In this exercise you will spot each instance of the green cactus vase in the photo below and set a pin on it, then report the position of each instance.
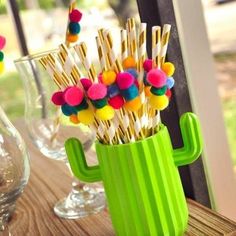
(141, 179)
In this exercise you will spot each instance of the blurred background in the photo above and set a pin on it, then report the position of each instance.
(44, 23)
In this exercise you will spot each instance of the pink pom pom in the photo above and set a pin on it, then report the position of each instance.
(86, 83)
(147, 65)
(116, 102)
(73, 96)
(124, 80)
(157, 78)
(97, 91)
(75, 15)
(100, 78)
(58, 98)
(2, 42)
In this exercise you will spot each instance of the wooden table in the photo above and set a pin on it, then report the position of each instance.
(50, 181)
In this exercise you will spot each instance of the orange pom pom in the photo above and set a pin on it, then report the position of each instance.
(129, 62)
(74, 119)
(168, 68)
(108, 77)
(72, 38)
(147, 91)
(133, 105)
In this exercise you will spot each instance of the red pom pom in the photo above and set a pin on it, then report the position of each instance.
(86, 83)
(100, 78)
(75, 15)
(124, 80)
(147, 65)
(97, 91)
(58, 98)
(116, 102)
(73, 96)
(156, 78)
(168, 93)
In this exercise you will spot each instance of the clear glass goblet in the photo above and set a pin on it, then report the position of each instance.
(49, 130)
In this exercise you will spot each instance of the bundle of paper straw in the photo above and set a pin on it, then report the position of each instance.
(121, 103)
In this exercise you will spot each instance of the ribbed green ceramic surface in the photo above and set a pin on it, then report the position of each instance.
(143, 187)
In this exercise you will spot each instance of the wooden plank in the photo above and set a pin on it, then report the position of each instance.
(50, 180)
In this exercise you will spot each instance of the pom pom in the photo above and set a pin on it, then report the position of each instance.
(68, 110)
(168, 93)
(82, 106)
(86, 83)
(74, 119)
(74, 27)
(156, 78)
(73, 96)
(58, 98)
(129, 62)
(124, 80)
(133, 105)
(86, 116)
(97, 91)
(1, 56)
(2, 67)
(147, 91)
(159, 91)
(147, 65)
(72, 38)
(2, 42)
(159, 102)
(133, 72)
(75, 15)
(100, 78)
(108, 77)
(170, 82)
(99, 103)
(113, 90)
(168, 68)
(130, 93)
(136, 84)
(116, 102)
(105, 113)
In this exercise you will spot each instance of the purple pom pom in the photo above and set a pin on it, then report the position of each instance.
(170, 82)
(86, 83)
(124, 80)
(75, 15)
(97, 91)
(147, 65)
(156, 78)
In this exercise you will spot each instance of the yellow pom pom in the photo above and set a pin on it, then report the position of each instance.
(159, 102)
(147, 91)
(86, 116)
(72, 38)
(133, 105)
(108, 77)
(129, 62)
(2, 67)
(74, 119)
(105, 113)
(168, 68)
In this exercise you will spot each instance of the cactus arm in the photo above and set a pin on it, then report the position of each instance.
(78, 163)
(192, 140)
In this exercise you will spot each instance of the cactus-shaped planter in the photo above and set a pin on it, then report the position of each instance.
(141, 180)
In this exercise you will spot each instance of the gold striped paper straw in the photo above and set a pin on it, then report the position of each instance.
(101, 54)
(132, 39)
(82, 52)
(124, 44)
(156, 46)
(142, 52)
(164, 42)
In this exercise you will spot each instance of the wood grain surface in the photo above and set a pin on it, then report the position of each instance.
(50, 181)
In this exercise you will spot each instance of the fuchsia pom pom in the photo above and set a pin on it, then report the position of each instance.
(97, 91)
(2, 42)
(58, 98)
(116, 102)
(147, 65)
(156, 78)
(75, 15)
(124, 80)
(86, 83)
(73, 96)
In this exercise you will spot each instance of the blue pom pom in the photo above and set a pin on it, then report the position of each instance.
(112, 90)
(68, 110)
(130, 93)
(170, 82)
(74, 27)
(133, 72)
